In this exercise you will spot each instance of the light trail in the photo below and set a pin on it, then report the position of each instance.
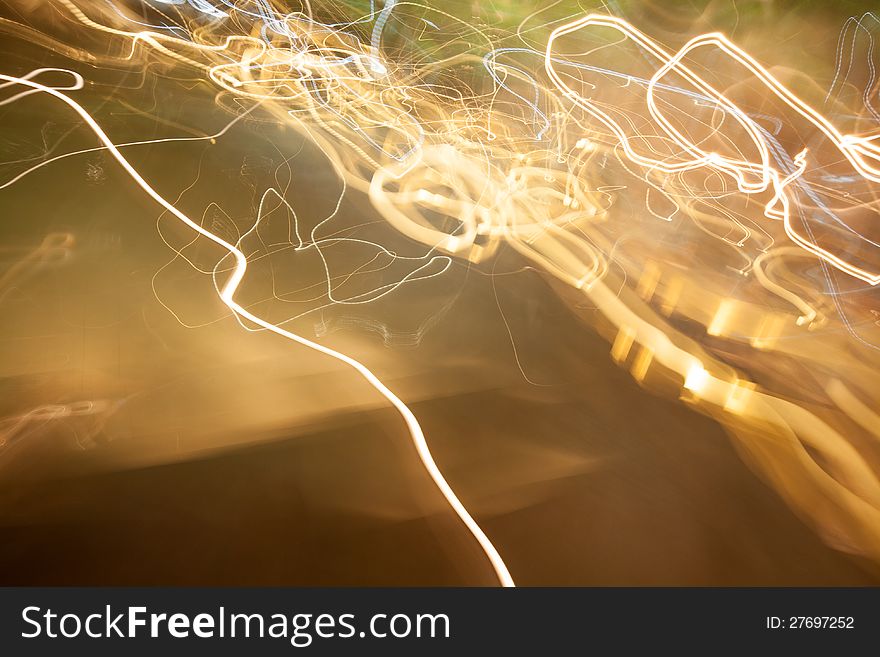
(859, 151)
(653, 215)
(227, 295)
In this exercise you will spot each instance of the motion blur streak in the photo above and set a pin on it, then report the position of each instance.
(713, 225)
(227, 294)
(855, 149)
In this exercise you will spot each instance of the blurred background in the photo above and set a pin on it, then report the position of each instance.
(146, 438)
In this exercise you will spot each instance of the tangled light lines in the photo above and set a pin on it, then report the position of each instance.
(723, 228)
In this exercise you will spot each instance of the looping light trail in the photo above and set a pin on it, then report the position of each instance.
(724, 231)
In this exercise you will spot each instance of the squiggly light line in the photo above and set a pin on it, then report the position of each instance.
(859, 151)
(227, 295)
(465, 170)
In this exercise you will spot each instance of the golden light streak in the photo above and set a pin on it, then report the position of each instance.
(858, 150)
(700, 262)
(227, 295)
